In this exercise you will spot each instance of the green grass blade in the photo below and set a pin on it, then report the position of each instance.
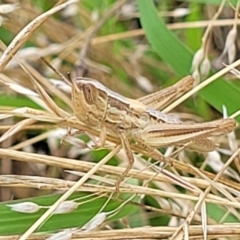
(164, 42)
(12, 222)
(179, 57)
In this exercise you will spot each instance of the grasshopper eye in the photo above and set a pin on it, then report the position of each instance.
(90, 94)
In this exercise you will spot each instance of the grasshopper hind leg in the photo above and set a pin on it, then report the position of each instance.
(149, 151)
(154, 153)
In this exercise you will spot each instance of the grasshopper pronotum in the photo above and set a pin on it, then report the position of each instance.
(139, 121)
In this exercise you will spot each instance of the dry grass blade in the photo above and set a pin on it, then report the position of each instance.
(84, 166)
(22, 37)
(108, 117)
(67, 194)
(32, 114)
(19, 89)
(47, 86)
(202, 197)
(50, 103)
(17, 127)
(214, 231)
(47, 99)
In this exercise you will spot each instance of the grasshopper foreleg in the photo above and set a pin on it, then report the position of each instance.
(100, 142)
(126, 146)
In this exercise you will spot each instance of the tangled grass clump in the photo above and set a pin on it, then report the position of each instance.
(47, 188)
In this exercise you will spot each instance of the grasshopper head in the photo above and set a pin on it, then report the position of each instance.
(89, 101)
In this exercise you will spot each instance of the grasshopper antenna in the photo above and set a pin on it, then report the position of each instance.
(67, 80)
(69, 77)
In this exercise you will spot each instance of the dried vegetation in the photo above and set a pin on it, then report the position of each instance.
(193, 199)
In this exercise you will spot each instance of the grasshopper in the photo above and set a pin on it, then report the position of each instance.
(140, 121)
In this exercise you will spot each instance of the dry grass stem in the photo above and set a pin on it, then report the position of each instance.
(58, 133)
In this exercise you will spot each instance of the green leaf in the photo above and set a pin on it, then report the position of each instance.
(221, 93)
(179, 57)
(164, 42)
(218, 213)
(17, 101)
(216, 2)
(17, 223)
